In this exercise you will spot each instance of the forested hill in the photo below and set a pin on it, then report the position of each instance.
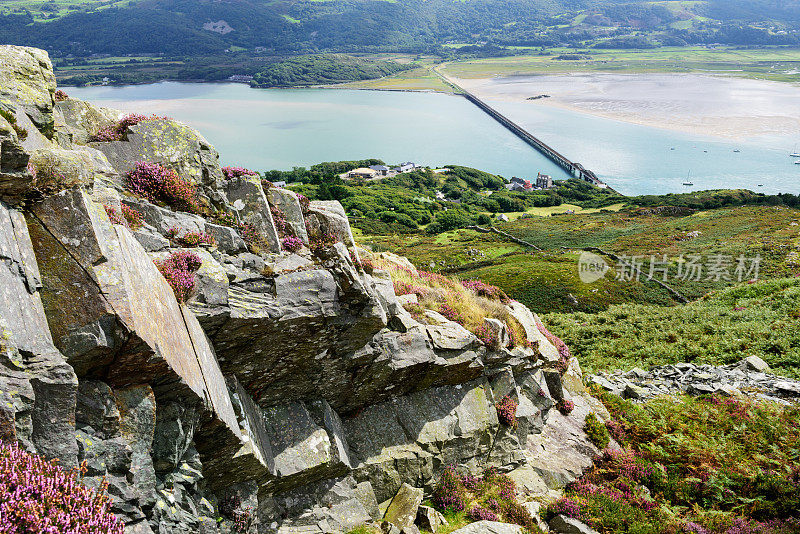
(204, 27)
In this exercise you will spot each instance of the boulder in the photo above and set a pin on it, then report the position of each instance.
(754, 363)
(15, 180)
(402, 511)
(81, 120)
(247, 198)
(288, 203)
(430, 519)
(489, 527)
(328, 216)
(27, 80)
(172, 144)
(38, 389)
(568, 525)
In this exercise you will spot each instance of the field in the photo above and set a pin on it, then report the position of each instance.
(777, 64)
(548, 281)
(53, 9)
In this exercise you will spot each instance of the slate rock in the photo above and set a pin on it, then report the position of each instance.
(430, 519)
(567, 525)
(489, 527)
(402, 511)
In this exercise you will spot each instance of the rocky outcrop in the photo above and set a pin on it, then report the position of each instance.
(291, 392)
(748, 376)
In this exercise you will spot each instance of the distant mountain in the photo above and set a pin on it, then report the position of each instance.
(205, 27)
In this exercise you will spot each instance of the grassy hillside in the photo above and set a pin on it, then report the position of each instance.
(480, 27)
(761, 319)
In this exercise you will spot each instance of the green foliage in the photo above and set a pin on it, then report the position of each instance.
(324, 69)
(596, 431)
(22, 133)
(693, 465)
(761, 319)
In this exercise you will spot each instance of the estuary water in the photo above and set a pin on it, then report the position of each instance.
(281, 128)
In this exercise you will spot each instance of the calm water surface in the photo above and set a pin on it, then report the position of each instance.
(281, 128)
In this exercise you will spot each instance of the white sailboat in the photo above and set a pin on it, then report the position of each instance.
(795, 153)
(688, 181)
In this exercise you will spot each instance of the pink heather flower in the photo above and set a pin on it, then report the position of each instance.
(189, 239)
(39, 496)
(279, 219)
(478, 513)
(565, 406)
(118, 130)
(488, 336)
(129, 217)
(291, 243)
(178, 270)
(563, 350)
(507, 411)
(565, 506)
(450, 493)
(163, 185)
(237, 172)
(483, 289)
(60, 95)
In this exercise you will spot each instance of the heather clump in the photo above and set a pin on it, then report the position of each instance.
(126, 216)
(237, 172)
(178, 270)
(565, 406)
(507, 411)
(466, 303)
(489, 497)
(189, 239)
(118, 131)
(291, 243)
(563, 351)
(162, 185)
(39, 496)
(707, 465)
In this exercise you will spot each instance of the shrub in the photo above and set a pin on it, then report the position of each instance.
(478, 513)
(279, 219)
(566, 507)
(565, 406)
(39, 496)
(46, 177)
(596, 431)
(60, 95)
(483, 289)
(22, 133)
(163, 185)
(305, 204)
(450, 493)
(119, 130)
(458, 300)
(237, 172)
(488, 336)
(178, 270)
(507, 411)
(129, 217)
(251, 236)
(320, 241)
(189, 239)
(563, 351)
(291, 243)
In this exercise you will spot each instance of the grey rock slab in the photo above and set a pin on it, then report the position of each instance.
(489, 527)
(430, 519)
(567, 525)
(402, 511)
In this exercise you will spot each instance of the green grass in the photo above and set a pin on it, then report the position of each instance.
(706, 465)
(545, 280)
(761, 319)
(767, 63)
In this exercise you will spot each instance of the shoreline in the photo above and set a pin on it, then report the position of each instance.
(581, 97)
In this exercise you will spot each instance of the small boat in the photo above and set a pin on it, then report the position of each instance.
(673, 148)
(797, 162)
(688, 183)
(736, 150)
(795, 153)
(760, 185)
(688, 179)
